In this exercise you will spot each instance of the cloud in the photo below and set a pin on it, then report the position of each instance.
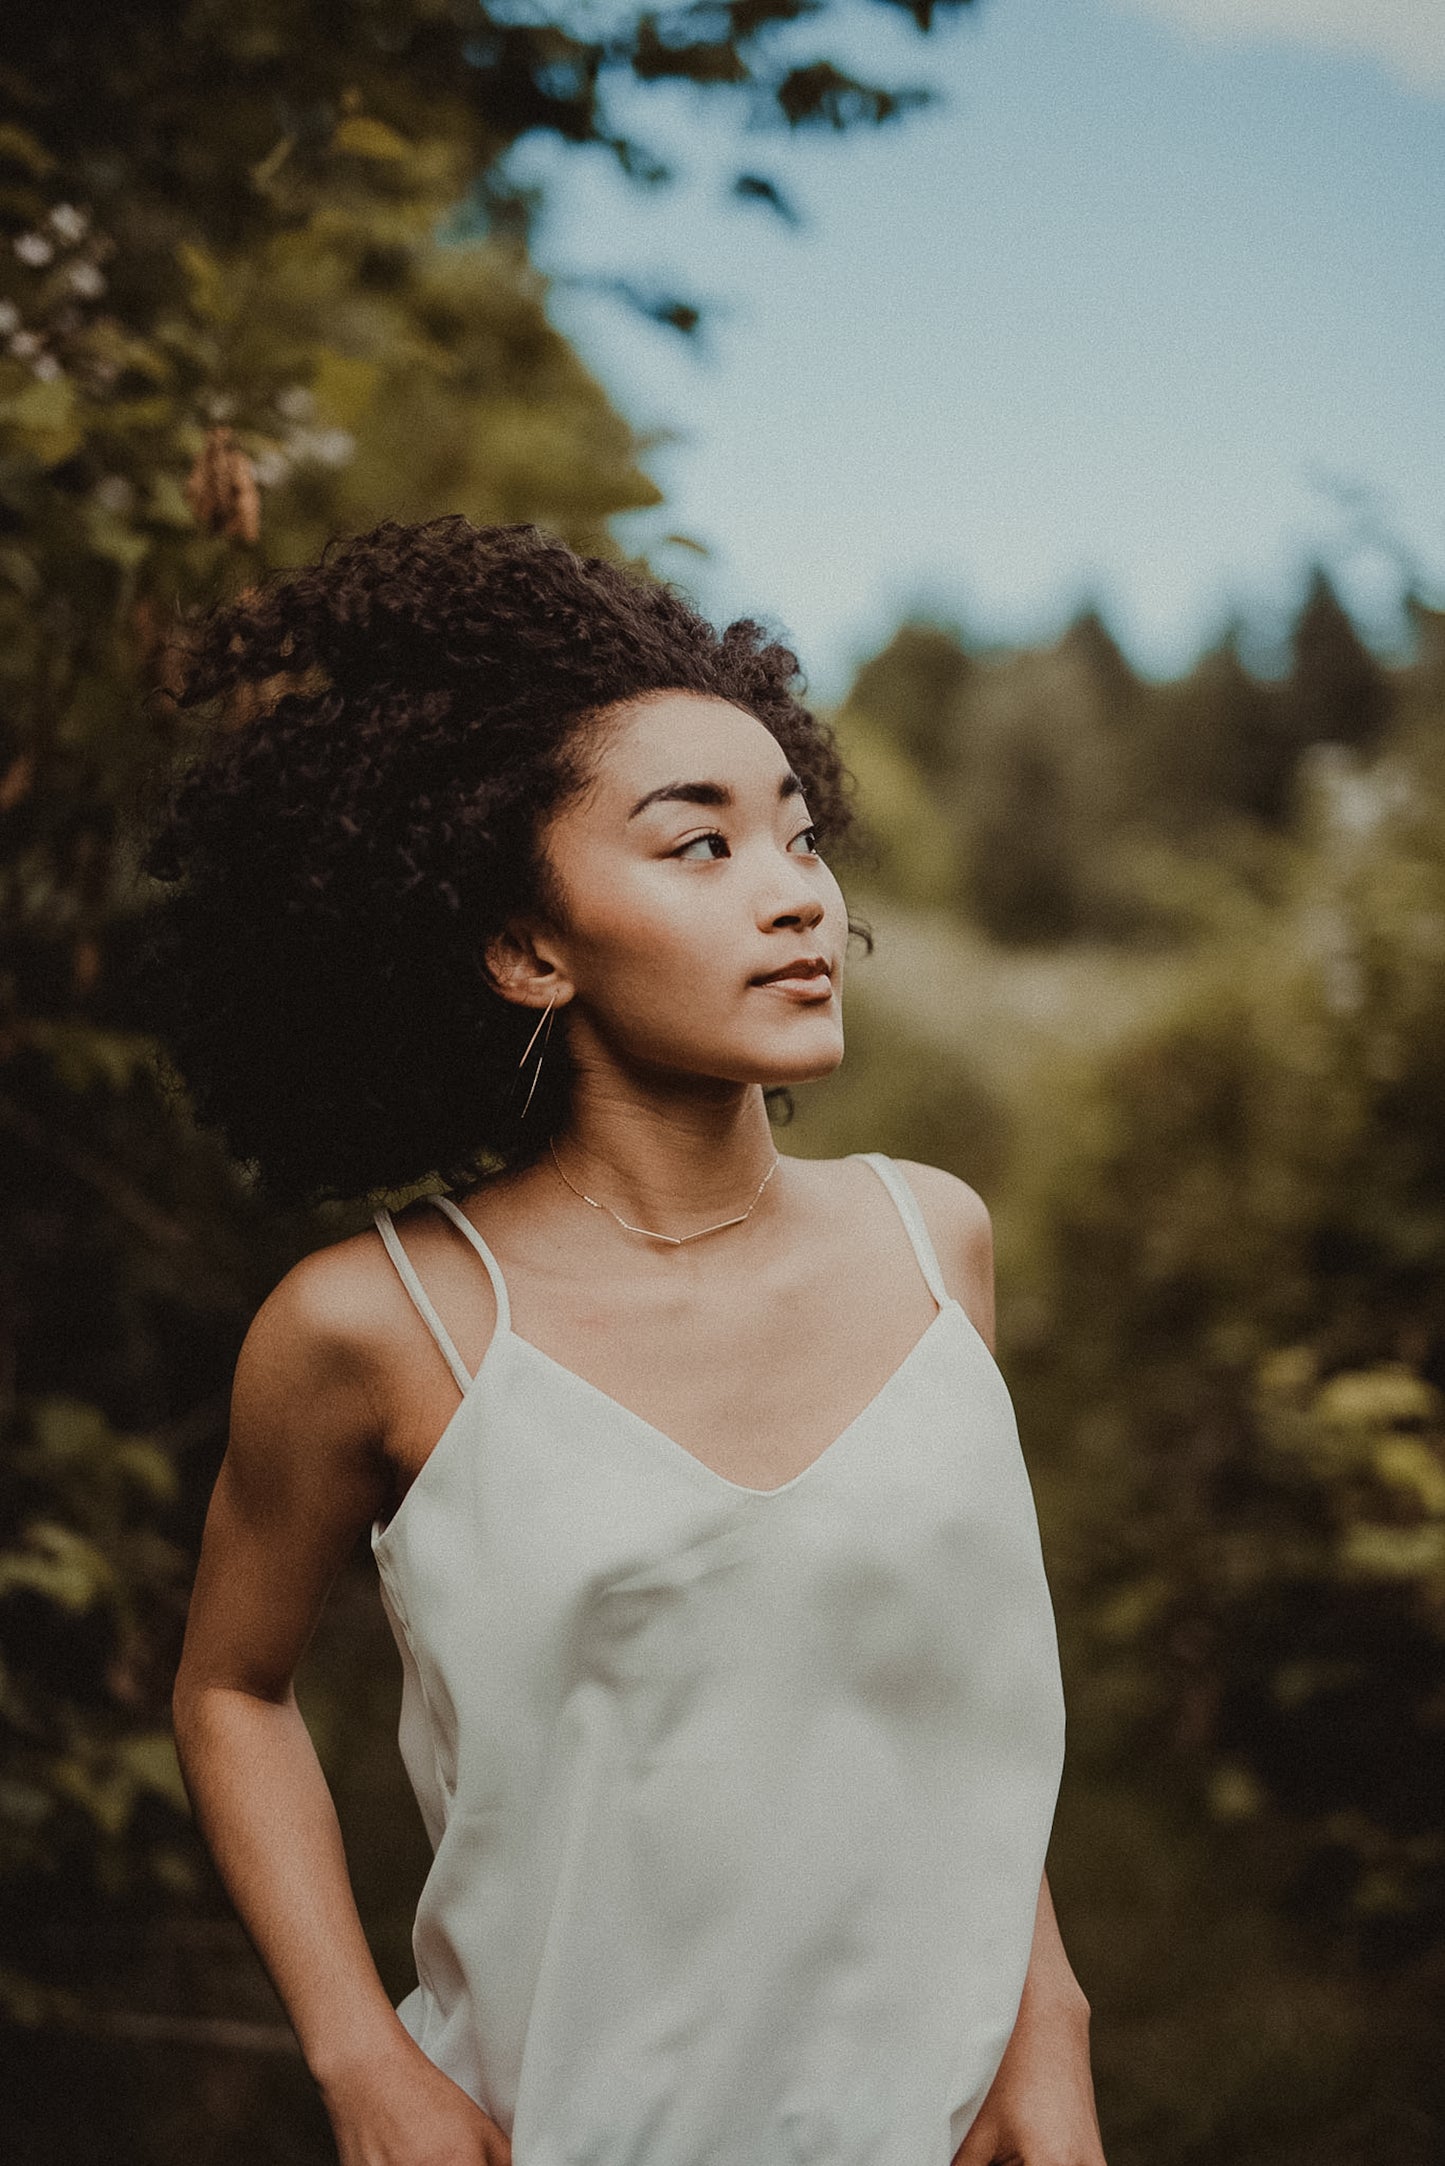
(1406, 36)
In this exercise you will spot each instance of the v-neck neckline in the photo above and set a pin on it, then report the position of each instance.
(640, 1421)
(504, 1336)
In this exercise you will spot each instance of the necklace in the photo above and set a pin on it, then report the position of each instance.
(676, 1239)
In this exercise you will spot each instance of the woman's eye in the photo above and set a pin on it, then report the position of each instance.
(808, 835)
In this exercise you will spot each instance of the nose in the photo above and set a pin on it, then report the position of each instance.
(802, 910)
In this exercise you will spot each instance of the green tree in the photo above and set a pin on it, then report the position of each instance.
(1336, 691)
(1253, 1240)
(915, 690)
(264, 278)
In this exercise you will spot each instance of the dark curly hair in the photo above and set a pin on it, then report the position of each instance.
(391, 727)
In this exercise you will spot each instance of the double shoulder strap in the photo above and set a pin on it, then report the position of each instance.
(422, 1300)
(886, 1169)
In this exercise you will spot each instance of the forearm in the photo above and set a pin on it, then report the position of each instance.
(268, 1818)
(1050, 1979)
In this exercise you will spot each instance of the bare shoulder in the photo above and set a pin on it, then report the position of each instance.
(962, 1230)
(305, 1429)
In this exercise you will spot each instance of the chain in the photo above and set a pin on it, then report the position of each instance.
(675, 1238)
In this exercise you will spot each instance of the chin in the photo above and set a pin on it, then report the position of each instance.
(808, 1065)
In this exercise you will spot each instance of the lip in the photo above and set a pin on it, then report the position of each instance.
(807, 976)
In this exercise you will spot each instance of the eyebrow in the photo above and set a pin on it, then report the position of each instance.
(708, 793)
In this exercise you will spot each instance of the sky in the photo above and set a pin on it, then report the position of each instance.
(1147, 313)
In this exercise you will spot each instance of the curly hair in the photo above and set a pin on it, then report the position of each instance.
(392, 726)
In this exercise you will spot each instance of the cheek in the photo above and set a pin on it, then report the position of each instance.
(647, 937)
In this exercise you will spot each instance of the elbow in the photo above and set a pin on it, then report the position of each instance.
(184, 1702)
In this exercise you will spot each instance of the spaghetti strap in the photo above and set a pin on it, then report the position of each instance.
(459, 1218)
(894, 1180)
(421, 1299)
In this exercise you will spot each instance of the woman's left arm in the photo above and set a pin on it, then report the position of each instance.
(1040, 2109)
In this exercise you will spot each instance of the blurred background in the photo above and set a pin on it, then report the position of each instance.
(1062, 378)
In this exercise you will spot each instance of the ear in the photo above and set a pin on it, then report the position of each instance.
(523, 968)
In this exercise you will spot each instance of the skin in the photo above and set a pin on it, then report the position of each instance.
(339, 1394)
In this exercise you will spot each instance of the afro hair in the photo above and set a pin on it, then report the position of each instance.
(384, 735)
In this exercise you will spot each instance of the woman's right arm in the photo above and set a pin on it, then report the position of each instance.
(303, 1475)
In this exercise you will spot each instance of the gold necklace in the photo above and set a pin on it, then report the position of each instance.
(675, 1238)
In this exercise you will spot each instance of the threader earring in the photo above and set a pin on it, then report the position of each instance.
(547, 1019)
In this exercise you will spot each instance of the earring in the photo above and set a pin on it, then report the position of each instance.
(547, 1019)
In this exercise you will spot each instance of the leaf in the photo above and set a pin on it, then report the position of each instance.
(1408, 1463)
(344, 386)
(44, 416)
(58, 1564)
(84, 1054)
(113, 537)
(149, 1757)
(147, 1468)
(209, 295)
(1380, 1398)
(221, 487)
(757, 188)
(1399, 1553)
(362, 137)
(269, 166)
(20, 148)
(166, 502)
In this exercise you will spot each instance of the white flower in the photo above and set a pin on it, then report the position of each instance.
(34, 249)
(46, 367)
(270, 466)
(9, 318)
(86, 280)
(26, 344)
(295, 402)
(333, 447)
(323, 447)
(69, 222)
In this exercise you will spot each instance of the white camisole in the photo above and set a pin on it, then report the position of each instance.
(738, 1798)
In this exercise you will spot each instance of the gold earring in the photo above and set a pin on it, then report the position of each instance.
(547, 1019)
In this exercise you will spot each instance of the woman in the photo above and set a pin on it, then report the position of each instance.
(730, 1688)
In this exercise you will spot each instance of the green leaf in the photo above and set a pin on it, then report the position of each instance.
(362, 137)
(44, 416)
(20, 147)
(58, 1564)
(344, 387)
(114, 537)
(149, 1757)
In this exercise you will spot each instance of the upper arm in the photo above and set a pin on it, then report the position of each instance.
(302, 1476)
(958, 1219)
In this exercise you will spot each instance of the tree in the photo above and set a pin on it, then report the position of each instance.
(1253, 1240)
(915, 690)
(1336, 691)
(264, 278)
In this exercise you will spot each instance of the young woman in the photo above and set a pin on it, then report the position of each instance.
(730, 1688)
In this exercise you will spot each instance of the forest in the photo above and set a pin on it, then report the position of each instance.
(1159, 967)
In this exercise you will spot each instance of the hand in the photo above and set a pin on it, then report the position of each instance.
(402, 2110)
(1039, 2110)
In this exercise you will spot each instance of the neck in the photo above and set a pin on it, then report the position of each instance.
(671, 1168)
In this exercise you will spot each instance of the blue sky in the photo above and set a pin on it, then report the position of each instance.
(1118, 320)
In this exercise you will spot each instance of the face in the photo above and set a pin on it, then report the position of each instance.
(688, 872)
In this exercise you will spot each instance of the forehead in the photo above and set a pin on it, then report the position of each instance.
(673, 731)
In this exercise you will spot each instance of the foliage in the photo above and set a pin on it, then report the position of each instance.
(263, 279)
(1072, 800)
(1253, 1222)
(83, 1571)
